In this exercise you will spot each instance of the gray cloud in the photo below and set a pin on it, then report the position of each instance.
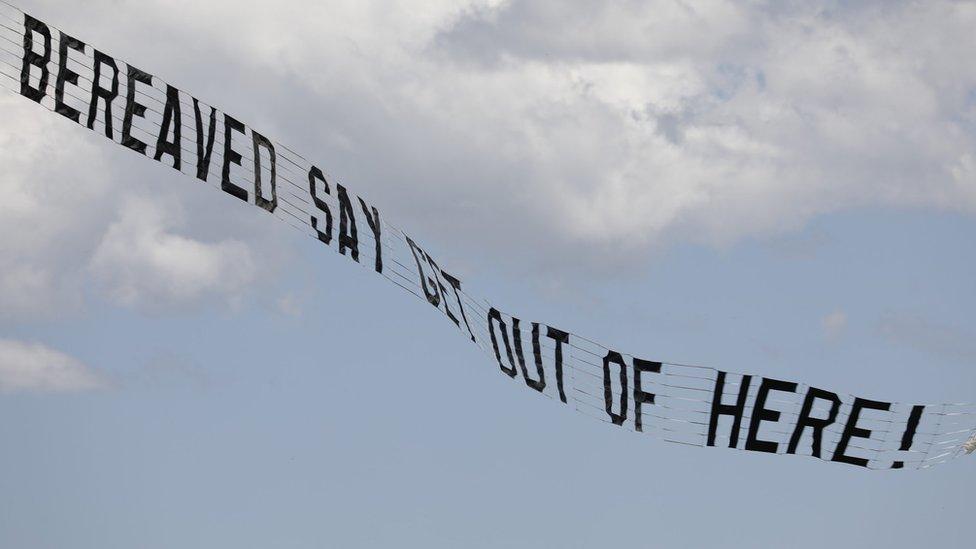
(576, 137)
(942, 340)
(141, 262)
(73, 215)
(49, 212)
(834, 324)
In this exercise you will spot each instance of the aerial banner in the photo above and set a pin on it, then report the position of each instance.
(681, 403)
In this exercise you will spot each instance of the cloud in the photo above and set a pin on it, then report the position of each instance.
(586, 135)
(289, 305)
(599, 130)
(167, 368)
(141, 262)
(48, 211)
(32, 367)
(916, 332)
(74, 211)
(834, 324)
(651, 121)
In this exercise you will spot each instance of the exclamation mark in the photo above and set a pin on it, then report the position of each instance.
(909, 436)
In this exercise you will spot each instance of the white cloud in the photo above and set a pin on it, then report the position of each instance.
(48, 209)
(289, 305)
(32, 367)
(142, 263)
(586, 133)
(621, 126)
(834, 324)
(67, 201)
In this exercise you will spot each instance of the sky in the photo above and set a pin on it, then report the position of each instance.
(783, 188)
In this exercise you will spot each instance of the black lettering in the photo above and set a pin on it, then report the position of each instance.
(760, 413)
(262, 142)
(817, 424)
(377, 227)
(204, 150)
(430, 291)
(107, 95)
(231, 157)
(908, 437)
(66, 76)
(456, 284)
(640, 396)
(537, 384)
(495, 316)
(719, 409)
(560, 337)
(616, 358)
(313, 174)
(34, 59)
(171, 117)
(851, 430)
(348, 237)
(442, 289)
(133, 108)
(913, 420)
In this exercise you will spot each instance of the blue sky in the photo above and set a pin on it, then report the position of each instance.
(241, 386)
